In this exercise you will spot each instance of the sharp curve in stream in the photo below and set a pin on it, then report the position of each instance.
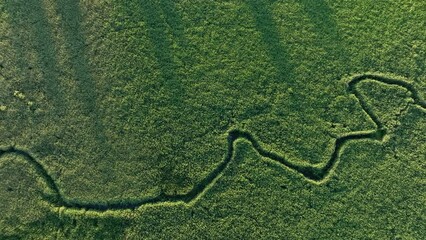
(313, 173)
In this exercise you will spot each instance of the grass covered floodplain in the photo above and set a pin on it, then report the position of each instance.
(212, 119)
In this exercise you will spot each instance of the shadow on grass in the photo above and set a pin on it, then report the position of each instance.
(31, 17)
(269, 31)
(158, 22)
(327, 30)
(28, 18)
(71, 18)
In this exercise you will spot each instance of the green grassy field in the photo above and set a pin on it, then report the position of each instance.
(242, 119)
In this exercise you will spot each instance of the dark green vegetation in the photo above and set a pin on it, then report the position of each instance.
(110, 105)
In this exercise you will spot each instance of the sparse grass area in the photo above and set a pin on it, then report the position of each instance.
(233, 107)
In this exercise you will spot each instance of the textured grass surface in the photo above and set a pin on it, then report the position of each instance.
(126, 101)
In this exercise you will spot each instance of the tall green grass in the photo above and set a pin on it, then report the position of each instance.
(125, 101)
